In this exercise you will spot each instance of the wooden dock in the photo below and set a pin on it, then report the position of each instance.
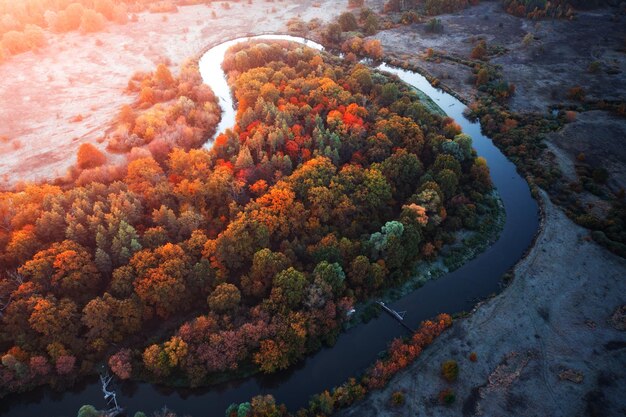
(398, 316)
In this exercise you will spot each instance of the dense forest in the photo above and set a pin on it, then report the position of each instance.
(334, 181)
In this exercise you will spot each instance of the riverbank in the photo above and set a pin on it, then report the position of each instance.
(547, 345)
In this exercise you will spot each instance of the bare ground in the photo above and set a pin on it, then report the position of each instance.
(43, 92)
(544, 70)
(546, 346)
(600, 137)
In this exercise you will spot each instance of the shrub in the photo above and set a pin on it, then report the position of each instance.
(528, 39)
(105, 8)
(91, 21)
(434, 25)
(570, 116)
(479, 51)
(397, 399)
(15, 42)
(373, 48)
(594, 67)
(89, 156)
(450, 370)
(391, 6)
(88, 411)
(576, 93)
(447, 396)
(347, 22)
(600, 175)
(73, 16)
(34, 36)
(482, 77)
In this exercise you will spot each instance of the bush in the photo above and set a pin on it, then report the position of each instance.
(347, 22)
(479, 51)
(34, 36)
(594, 67)
(434, 25)
(91, 21)
(447, 396)
(89, 156)
(600, 175)
(391, 6)
(15, 42)
(88, 411)
(576, 93)
(397, 399)
(450, 370)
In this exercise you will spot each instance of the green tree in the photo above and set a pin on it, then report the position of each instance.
(225, 298)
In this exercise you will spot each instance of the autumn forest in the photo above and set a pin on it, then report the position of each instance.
(335, 180)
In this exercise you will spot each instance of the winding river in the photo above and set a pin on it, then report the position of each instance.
(356, 348)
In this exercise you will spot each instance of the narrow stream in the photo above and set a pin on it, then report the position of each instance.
(356, 348)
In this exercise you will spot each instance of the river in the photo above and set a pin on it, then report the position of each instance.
(359, 346)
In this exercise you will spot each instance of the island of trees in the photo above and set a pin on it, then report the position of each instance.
(196, 264)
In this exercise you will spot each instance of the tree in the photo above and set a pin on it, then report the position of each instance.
(373, 48)
(55, 320)
(163, 77)
(347, 22)
(176, 350)
(65, 364)
(482, 77)
(66, 268)
(121, 365)
(288, 288)
(479, 51)
(332, 274)
(355, 3)
(389, 94)
(225, 298)
(161, 280)
(265, 265)
(15, 42)
(88, 411)
(156, 360)
(271, 356)
(91, 21)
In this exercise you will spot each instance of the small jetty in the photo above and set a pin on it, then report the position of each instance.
(398, 316)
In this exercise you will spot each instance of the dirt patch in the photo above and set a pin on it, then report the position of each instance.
(44, 92)
(526, 337)
(600, 138)
(543, 70)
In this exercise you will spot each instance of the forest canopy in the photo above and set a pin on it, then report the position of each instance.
(333, 184)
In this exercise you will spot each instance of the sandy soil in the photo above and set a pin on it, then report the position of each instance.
(546, 345)
(86, 75)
